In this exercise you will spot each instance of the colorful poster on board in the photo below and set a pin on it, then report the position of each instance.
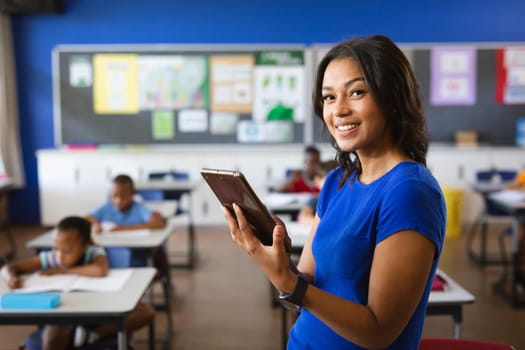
(222, 123)
(115, 84)
(80, 71)
(264, 132)
(510, 75)
(453, 76)
(172, 82)
(162, 125)
(231, 83)
(279, 84)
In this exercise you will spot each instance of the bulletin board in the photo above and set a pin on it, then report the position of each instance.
(164, 94)
(480, 110)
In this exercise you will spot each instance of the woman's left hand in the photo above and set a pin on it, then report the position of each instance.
(273, 260)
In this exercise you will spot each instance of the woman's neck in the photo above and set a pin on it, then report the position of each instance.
(374, 166)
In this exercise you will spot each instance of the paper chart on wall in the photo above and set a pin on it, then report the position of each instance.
(510, 75)
(231, 83)
(172, 82)
(279, 86)
(115, 84)
(453, 76)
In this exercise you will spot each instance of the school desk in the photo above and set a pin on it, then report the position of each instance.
(481, 256)
(175, 189)
(283, 203)
(513, 203)
(87, 307)
(147, 242)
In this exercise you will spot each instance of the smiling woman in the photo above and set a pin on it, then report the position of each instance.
(378, 213)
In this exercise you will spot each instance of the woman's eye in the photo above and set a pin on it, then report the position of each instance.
(327, 98)
(357, 93)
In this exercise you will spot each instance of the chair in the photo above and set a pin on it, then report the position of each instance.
(490, 214)
(460, 344)
(174, 204)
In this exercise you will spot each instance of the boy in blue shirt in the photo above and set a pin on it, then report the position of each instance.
(122, 212)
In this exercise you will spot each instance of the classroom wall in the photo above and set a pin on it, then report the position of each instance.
(228, 21)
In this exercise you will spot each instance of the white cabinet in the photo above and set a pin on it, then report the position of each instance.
(75, 182)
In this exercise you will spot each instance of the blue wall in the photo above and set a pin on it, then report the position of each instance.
(226, 21)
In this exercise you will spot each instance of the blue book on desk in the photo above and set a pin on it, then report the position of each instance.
(12, 300)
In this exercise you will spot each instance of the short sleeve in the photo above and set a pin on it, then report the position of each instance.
(92, 252)
(144, 211)
(98, 213)
(47, 259)
(413, 205)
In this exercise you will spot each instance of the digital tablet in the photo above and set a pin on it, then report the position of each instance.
(230, 186)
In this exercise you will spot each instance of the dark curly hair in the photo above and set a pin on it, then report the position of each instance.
(78, 224)
(391, 81)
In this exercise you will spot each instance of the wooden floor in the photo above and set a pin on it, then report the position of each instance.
(224, 303)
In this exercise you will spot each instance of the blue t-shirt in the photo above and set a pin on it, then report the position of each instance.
(354, 219)
(136, 214)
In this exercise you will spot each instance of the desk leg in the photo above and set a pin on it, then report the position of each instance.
(122, 337)
(507, 286)
(192, 246)
(457, 329)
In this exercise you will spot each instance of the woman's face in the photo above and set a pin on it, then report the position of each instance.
(350, 112)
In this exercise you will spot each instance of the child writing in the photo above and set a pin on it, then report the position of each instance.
(122, 212)
(73, 253)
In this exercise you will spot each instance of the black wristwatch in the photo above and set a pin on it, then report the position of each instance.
(294, 300)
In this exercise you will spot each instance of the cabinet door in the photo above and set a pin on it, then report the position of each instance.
(56, 182)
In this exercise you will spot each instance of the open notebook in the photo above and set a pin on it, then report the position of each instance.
(113, 282)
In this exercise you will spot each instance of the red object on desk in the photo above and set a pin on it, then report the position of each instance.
(439, 283)
(81, 146)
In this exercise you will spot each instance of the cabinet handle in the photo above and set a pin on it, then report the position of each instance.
(76, 175)
(205, 208)
(461, 172)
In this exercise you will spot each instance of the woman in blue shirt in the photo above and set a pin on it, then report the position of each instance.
(366, 271)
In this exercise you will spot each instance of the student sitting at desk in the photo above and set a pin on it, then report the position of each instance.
(302, 180)
(73, 253)
(307, 213)
(122, 212)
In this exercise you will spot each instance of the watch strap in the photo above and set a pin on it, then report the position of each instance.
(297, 296)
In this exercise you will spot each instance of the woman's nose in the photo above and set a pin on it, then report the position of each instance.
(341, 108)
